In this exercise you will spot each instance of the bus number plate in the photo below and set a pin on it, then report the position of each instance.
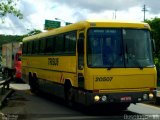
(126, 98)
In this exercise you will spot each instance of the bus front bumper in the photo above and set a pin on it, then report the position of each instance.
(90, 98)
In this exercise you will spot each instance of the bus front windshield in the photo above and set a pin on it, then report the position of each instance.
(109, 48)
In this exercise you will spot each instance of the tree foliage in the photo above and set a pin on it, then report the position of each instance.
(155, 30)
(16, 38)
(9, 7)
(9, 38)
(33, 32)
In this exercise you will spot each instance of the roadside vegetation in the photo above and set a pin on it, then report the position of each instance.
(155, 31)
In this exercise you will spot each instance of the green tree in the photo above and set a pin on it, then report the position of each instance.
(16, 38)
(155, 30)
(9, 38)
(9, 7)
(33, 32)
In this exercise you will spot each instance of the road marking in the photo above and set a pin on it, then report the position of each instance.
(149, 106)
(22, 87)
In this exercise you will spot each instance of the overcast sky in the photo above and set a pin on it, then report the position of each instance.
(36, 11)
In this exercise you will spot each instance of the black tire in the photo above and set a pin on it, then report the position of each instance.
(36, 84)
(69, 97)
(31, 83)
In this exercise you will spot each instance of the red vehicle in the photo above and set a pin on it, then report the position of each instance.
(11, 60)
(17, 62)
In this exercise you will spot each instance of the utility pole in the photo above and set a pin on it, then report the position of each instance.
(144, 10)
(115, 14)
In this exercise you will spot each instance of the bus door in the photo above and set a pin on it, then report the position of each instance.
(80, 60)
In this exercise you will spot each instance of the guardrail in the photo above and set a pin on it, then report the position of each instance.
(5, 90)
(9, 86)
(5, 85)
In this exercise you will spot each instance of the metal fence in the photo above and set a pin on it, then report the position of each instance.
(4, 90)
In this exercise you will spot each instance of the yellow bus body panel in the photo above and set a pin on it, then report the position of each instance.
(121, 78)
(66, 68)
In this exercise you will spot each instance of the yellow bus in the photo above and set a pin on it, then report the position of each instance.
(92, 62)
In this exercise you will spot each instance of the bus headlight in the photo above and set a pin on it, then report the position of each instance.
(104, 98)
(151, 96)
(145, 96)
(96, 98)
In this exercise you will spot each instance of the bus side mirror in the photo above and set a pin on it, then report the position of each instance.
(153, 45)
(81, 45)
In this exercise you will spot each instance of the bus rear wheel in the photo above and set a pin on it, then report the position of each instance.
(33, 82)
(69, 98)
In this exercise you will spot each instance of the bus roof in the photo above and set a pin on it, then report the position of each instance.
(89, 23)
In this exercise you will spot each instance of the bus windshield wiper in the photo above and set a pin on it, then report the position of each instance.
(114, 61)
(135, 61)
(132, 57)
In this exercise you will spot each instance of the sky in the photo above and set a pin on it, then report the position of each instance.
(35, 12)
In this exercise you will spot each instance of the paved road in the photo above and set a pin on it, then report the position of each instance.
(27, 106)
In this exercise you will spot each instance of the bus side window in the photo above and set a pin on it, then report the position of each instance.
(42, 44)
(59, 44)
(24, 50)
(36, 46)
(70, 43)
(30, 43)
(49, 45)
